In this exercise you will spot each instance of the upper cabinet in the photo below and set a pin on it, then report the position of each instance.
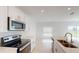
(3, 17)
(12, 12)
(16, 13)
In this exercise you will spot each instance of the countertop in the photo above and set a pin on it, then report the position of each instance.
(24, 42)
(68, 50)
(8, 50)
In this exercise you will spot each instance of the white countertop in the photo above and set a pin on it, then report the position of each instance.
(8, 50)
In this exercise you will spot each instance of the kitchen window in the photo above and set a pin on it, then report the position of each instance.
(75, 32)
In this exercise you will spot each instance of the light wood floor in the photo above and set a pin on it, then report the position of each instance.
(43, 47)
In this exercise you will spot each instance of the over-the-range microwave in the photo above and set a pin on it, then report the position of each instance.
(15, 25)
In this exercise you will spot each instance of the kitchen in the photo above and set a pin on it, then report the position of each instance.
(17, 16)
(40, 23)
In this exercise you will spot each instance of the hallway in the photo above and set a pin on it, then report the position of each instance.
(43, 47)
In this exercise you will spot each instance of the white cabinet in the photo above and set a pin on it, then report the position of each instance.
(12, 12)
(3, 19)
(16, 14)
(58, 48)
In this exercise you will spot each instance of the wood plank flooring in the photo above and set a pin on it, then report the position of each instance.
(43, 47)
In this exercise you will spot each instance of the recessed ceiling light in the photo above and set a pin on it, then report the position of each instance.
(68, 8)
(42, 11)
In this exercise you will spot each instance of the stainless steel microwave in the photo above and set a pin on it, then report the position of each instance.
(15, 25)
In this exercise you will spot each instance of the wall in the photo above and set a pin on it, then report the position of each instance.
(59, 28)
(16, 13)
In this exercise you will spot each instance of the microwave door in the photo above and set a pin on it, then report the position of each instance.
(15, 25)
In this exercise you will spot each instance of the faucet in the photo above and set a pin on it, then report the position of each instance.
(69, 34)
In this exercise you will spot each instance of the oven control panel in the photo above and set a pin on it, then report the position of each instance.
(9, 38)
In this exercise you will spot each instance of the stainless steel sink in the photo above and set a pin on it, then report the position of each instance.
(66, 44)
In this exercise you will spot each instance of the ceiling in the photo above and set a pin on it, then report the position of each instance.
(51, 13)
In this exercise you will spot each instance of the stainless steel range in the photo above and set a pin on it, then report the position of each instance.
(16, 42)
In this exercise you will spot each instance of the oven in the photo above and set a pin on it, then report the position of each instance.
(23, 46)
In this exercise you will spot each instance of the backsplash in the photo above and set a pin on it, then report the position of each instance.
(2, 34)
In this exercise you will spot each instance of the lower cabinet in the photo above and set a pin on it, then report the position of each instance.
(27, 49)
(58, 48)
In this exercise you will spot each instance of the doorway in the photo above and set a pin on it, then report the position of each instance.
(44, 44)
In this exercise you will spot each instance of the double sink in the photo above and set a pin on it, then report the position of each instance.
(67, 44)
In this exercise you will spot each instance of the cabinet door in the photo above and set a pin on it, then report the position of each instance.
(3, 19)
(58, 48)
(27, 49)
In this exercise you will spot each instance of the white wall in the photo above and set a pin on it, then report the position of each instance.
(59, 28)
(16, 13)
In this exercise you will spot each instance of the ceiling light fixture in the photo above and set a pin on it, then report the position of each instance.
(42, 11)
(68, 8)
